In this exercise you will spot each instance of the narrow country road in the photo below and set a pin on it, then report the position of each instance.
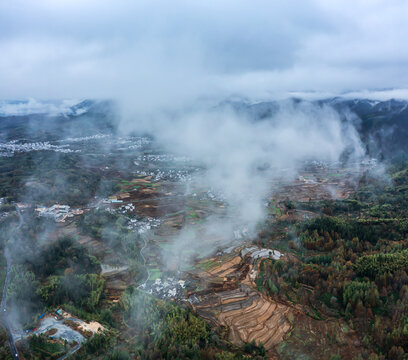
(4, 297)
(144, 236)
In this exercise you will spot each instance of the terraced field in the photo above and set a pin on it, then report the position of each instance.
(229, 298)
(248, 314)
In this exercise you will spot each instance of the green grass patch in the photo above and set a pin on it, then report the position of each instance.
(155, 274)
(48, 348)
(176, 213)
(207, 265)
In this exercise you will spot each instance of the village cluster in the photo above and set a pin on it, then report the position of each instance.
(58, 212)
(169, 288)
(143, 225)
(85, 138)
(12, 147)
(161, 158)
(178, 175)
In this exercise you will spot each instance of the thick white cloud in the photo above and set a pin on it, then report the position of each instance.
(161, 52)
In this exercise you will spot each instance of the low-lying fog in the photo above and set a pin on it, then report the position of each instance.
(242, 154)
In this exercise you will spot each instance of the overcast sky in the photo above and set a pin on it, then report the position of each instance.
(161, 51)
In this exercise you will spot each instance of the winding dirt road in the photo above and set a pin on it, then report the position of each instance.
(4, 297)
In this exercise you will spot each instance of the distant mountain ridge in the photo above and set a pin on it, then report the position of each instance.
(32, 121)
(382, 125)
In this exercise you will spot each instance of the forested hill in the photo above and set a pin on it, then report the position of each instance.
(382, 125)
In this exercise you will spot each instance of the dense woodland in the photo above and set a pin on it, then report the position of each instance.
(350, 262)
